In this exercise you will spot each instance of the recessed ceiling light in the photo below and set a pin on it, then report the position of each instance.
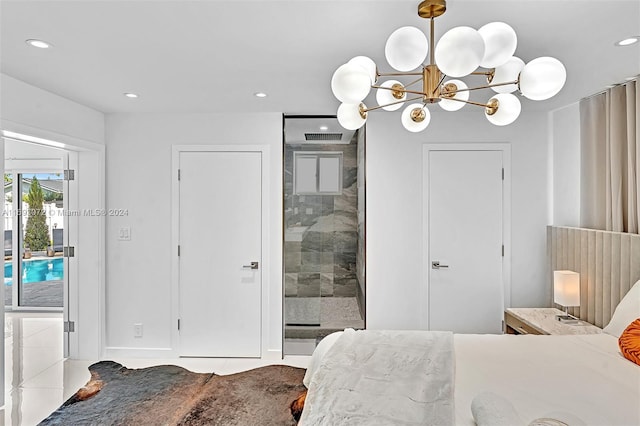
(324, 128)
(131, 95)
(38, 43)
(628, 41)
(260, 95)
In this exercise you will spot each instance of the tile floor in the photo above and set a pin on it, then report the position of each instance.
(38, 379)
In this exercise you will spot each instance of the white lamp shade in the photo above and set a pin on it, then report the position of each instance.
(349, 116)
(508, 109)
(542, 78)
(415, 126)
(500, 41)
(507, 72)
(406, 48)
(384, 96)
(566, 288)
(350, 83)
(459, 51)
(368, 64)
(449, 105)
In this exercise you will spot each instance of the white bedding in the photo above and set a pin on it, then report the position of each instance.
(371, 377)
(582, 379)
(580, 376)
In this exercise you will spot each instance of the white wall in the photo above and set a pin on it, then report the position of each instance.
(565, 143)
(394, 209)
(23, 104)
(139, 180)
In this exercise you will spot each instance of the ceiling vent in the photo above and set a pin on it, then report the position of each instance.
(315, 137)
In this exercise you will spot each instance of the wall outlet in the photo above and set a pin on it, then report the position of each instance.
(137, 330)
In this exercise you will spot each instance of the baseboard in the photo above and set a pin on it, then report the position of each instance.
(124, 352)
(272, 355)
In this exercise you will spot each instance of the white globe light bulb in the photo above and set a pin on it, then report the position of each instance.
(349, 116)
(459, 51)
(368, 64)
(500, 41)
(446, 103)
(415, 118)
(406, 49)
(507, 110)
(505, 73)
(386, 96)
(542, 78)
(350, 83)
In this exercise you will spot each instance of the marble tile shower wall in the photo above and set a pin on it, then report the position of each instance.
(323, 261)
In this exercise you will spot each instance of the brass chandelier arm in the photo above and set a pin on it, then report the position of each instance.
(490, 72)
(413, 92)
(470, 102)
(397, 74)
(414, 82)
(486, 87)
(439, 83)
(392, 103)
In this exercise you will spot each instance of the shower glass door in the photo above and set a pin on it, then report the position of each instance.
(322, 214)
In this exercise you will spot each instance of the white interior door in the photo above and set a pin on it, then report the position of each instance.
(465, 199)
(220, 236)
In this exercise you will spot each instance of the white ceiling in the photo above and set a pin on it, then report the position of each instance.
(212, 56)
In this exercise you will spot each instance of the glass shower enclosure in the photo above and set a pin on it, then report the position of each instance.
(323, 231)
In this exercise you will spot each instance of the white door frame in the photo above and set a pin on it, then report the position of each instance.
(87, 342)
(506, 214)
(175, 236)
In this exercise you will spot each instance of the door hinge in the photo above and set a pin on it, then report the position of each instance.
(69, 327)
(69, 251)
(178, 250)
(503, 173)
(69, 174)
(503, 250)
(178, 174)
(178, 323)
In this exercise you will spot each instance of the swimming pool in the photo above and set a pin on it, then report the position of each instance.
(36, 270)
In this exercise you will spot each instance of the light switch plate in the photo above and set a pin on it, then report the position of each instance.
(124, 234)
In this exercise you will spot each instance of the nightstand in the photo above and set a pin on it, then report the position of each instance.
(542, 321)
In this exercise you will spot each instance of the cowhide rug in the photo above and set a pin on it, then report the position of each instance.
(170, 395)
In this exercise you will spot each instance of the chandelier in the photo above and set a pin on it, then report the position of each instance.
(461, 51)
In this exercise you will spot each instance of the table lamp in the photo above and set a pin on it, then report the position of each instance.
(566, 292)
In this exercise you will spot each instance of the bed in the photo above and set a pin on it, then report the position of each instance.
(577, 379)
(498, 379)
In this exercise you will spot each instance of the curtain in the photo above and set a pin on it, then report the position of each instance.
(610, 159)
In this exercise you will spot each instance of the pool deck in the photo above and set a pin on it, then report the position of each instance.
(42, 294)
(45, 294)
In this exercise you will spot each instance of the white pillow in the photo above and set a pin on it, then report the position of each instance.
(627, 311)
(319, 352)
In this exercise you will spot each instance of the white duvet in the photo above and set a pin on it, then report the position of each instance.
(372, 377)
(581, 379)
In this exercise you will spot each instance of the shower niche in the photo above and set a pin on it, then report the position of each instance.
(324, 230)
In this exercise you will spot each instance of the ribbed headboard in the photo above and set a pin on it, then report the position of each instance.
(608, 263)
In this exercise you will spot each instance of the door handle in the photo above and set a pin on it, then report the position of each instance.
(253, 265)
(436, 265)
